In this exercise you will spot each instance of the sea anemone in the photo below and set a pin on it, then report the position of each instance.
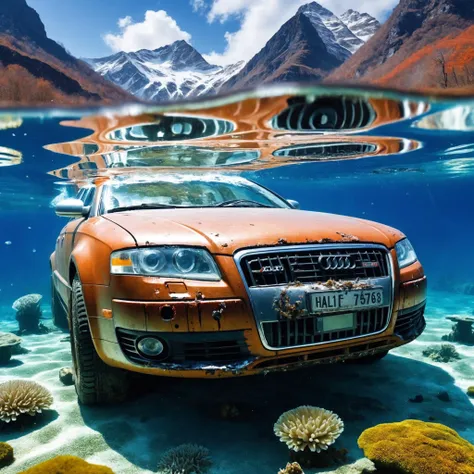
(22, 397)
(185, 459)
(308, 427)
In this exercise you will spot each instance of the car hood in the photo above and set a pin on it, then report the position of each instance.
(224, 231)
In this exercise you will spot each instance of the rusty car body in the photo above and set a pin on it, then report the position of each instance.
(220, 277)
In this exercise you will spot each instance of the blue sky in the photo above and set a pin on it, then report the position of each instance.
(225, 31)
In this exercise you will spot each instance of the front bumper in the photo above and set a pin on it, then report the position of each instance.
(201, 343)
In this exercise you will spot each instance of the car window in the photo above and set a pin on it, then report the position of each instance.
(86, 195)
(186, 193)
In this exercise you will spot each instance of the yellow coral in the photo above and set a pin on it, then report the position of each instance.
(291, 468)
(69, 465)
(417, 447)
(470, 391)
(6, 454)
(18, 397)
(308, 427)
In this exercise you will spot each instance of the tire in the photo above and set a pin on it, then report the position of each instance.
(57, 310)
(372, 359)
(95, 381)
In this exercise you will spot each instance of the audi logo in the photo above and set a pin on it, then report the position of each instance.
(336, 262)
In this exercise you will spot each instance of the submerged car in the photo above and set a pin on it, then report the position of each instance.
(215, 276)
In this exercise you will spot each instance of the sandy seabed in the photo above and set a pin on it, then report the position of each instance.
(130, 438)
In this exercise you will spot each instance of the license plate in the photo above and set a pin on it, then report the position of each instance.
(338, 322)
(331, 301)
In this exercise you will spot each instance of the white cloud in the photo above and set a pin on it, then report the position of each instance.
(261, 19)
(158, 29)
(198, 5)
(123, 22)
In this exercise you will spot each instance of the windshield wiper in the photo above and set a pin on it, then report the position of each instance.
(241, 203)
(142, 206)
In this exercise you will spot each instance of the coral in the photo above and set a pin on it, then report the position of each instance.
(69, 465)
(22, 397)
(443, 353)
(291, 468)
(417, 447)
(6, 455)
(28, 314)
(470, 392)
(287, 309)
(308, 427)
(8, 342)
(462, 330)
(185, 459)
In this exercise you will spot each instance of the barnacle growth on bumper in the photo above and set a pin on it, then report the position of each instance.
(308, 428)
(286, 309)
(343, 285)
(22, 397)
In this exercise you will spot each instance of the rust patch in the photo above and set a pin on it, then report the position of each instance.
(348, 237)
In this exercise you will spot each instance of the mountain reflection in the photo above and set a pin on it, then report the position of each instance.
(238, 134)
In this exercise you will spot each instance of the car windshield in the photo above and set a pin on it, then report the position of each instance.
(187, 192)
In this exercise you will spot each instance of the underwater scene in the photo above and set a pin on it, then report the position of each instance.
(272, 281)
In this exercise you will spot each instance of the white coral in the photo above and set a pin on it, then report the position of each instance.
(18, 397)
(308, 427)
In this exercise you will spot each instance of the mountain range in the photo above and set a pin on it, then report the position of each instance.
(424, 45)
(309, 46)
(34, 68)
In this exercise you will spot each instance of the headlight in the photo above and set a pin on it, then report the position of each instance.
(405, 253)
(171, 262)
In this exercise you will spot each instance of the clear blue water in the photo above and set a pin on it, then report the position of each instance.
(427, 193)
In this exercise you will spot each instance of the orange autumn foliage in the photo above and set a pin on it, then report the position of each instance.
(17, 85)
(424, 69)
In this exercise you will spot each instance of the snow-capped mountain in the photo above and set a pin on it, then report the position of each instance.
(338, 38)
(171, 72)
(308, 47)
(361, 25)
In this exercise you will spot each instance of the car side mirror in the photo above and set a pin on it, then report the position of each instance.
(293, 204)
(71, 208)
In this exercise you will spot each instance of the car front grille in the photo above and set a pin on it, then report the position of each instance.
(304, 331)
(411, 322)
(187, 348)
(311, 266)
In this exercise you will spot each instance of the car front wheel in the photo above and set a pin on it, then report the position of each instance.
(95, 381)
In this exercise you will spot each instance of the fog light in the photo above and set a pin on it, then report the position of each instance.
(150, 346)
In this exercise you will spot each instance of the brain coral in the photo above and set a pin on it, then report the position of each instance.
(6, 454)
(417, 447)
(69, 465)
(308, 427)
(18, 397)
(185, 459)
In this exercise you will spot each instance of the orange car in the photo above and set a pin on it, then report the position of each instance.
(214, 276)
